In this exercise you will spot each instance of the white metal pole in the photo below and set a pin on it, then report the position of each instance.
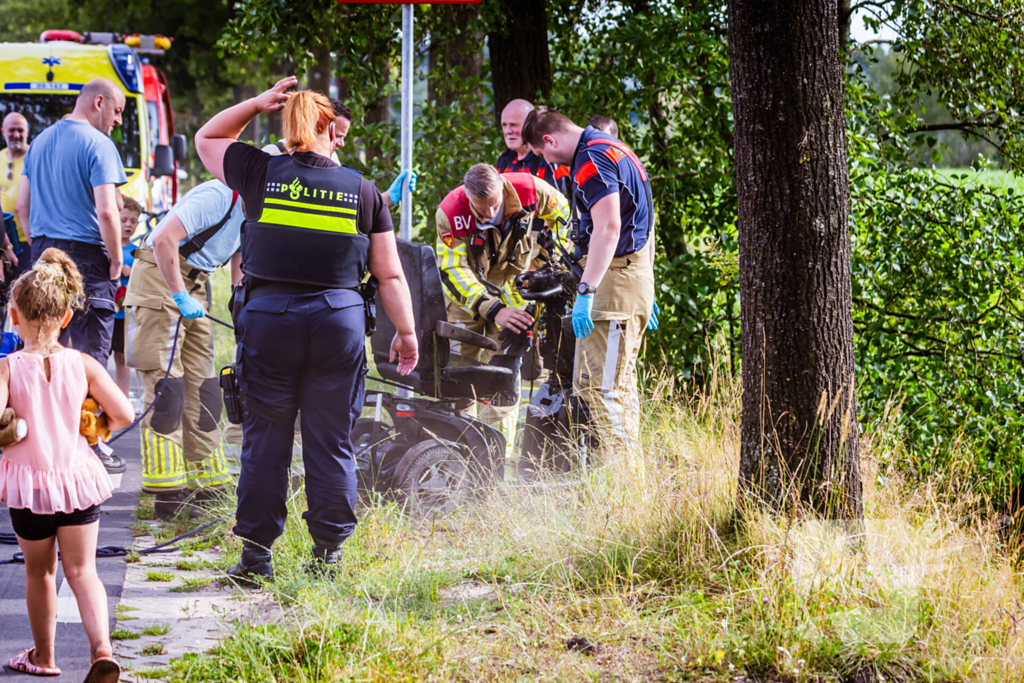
(407, 83)
(405, 230)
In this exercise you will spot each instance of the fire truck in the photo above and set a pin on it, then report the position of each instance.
(41, 81)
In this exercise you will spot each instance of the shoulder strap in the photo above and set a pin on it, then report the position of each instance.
(197, 243)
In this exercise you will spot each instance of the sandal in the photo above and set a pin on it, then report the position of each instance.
(23, 663)
(103, 670)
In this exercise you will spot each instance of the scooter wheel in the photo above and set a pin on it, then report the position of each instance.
(434, 478)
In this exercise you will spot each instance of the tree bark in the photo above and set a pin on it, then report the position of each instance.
(319, 77)
(274, 121)
(240, 93)
(799, 435)
(520, 63)
(456, 51)
(845, 21)
(379, 109)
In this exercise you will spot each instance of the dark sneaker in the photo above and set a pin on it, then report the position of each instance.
(252, 568)
(112, 463)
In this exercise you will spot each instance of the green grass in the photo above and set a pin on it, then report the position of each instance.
(151, 649)
(159, 576)
(156, 629)
(191, 584)
(989, 178)
(654, 571)
(223, 338)
(124, 634)
(157, 672)
(192, 565)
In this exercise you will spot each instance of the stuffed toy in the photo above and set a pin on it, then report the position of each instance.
(94, 423)
(12, 429)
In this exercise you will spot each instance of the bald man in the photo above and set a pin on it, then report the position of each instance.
(68, 199)
(15, 133)
(518, 158)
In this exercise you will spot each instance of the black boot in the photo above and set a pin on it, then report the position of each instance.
(254, 566)
(326, 559)
(207, 497)
(168, 505)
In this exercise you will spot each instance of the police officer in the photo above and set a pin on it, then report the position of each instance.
(181, 442)
(518, 158)
(615, 301)
(487, 233)
(313, 228)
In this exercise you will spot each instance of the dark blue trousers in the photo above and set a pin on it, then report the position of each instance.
(91, 329)
(300, 352)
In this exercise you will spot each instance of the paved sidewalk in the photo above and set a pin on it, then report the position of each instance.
(176, 606)
(116, 521)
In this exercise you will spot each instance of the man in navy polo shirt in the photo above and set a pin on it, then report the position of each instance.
(614, 240)
(518, 158)
(68, 199)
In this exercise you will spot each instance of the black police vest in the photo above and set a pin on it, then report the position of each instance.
(307, 230)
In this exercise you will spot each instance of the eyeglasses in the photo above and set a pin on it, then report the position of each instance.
(10, 170)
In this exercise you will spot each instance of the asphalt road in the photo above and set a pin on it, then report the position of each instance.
(115, 529)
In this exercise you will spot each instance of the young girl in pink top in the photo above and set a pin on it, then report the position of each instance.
(51, 480)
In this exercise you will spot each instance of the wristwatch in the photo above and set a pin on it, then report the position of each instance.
(583, 289)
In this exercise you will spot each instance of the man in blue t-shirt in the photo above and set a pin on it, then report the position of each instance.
(68, 199)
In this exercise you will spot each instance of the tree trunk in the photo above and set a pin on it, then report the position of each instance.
(274, 121)
(319, 77)
(845, 21)
(240, 93)
(456, 51)
(520, 64)
(379, 110)
(799, 442)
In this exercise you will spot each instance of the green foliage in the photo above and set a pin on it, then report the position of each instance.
(661, 71)
(935, 257)
(936, 274)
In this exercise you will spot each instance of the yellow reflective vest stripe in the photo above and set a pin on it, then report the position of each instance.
(297, 219)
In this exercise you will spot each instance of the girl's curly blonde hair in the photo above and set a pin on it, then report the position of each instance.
(44, 294)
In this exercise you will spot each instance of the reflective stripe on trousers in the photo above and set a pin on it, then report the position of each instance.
(165, 469)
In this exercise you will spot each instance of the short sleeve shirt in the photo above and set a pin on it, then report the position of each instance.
(600, 170)
(203, 207)
(556, 176)
(63, 165)
(245, 170)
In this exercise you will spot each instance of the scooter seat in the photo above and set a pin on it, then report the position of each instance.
(487, 383)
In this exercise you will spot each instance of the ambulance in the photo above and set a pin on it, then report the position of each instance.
(41, 81)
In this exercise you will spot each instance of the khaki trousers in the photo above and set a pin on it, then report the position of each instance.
(181, 440)
(604, 374)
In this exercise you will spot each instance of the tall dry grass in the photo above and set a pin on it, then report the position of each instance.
(658, 573)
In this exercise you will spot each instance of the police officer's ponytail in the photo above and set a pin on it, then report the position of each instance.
(307, 115)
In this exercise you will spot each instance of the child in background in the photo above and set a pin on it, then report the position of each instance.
(51, 481)
(129, 224)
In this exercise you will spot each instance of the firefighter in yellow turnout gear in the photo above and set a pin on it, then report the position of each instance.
(487, 231)
(182, 455)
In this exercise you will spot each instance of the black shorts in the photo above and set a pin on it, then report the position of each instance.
(35, 527)
(117, 343)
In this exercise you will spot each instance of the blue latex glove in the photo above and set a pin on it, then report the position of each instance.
(189, 307)
(652, 322)
(582, 323)
(395, 191)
